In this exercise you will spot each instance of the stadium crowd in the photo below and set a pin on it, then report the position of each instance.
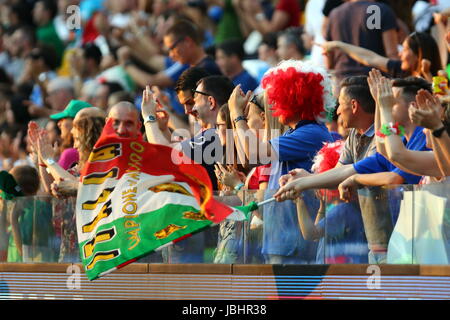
(318, 103)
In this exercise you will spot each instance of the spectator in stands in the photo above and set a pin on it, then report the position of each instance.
(339, 229)
(19, 46)
(267, 50)
(59, 93)
(185, 87)
(44, 12)
(183, 41)
(374, 170)
(423, 163)
(229, 57)
(87, 127)
(204, 148)
(290, 44)
(68, 154)
(283, 242)
(419, 56)
(85, 65)
(349, 23)
(32, 231)
(285, 15)
(125, 119)
(103, 91)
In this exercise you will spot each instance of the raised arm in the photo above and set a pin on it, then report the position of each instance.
(428, 115)
(254, 153)
(415, 162)
(361, 55)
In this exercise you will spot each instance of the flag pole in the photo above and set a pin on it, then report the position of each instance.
(265, 202)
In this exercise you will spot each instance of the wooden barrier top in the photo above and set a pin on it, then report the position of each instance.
(240, 269)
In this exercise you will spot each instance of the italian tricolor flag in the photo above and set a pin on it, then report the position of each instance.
(136, 197)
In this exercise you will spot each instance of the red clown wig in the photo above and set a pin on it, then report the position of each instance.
(296, 88)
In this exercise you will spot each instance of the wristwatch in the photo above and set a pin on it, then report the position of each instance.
(49, 161)
(150, 118)
(438, 132)
(239, 119)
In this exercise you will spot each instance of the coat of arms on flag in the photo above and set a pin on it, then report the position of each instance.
(134, 198)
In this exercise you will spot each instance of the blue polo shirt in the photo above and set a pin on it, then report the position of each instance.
(296, 148)
(378, 163)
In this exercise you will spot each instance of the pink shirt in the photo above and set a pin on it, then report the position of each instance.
(69, 157)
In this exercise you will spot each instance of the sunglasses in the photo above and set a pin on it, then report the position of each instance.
(175, 44)
(200, 92)
(256, 102)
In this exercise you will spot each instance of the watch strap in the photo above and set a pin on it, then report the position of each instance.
(150, 118)
(438, 132)
(239, 118)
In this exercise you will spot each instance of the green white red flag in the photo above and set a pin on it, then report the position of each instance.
(136, 197)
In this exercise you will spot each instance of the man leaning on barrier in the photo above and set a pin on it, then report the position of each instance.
(371, 171)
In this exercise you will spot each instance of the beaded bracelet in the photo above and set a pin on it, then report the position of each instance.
(389, 129)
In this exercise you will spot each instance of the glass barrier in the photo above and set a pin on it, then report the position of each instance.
(395, 225)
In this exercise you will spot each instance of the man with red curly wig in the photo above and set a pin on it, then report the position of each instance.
(300, 96)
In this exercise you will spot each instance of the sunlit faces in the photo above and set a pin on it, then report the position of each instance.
(186, 98)
(345, 109)
(408, 58)
(125, 122)
(176, 48)
(65, 126)
(202, 105)
(255, 115)
(225, 63)
(284, 49)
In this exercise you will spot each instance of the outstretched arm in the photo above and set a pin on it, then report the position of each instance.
(362, 55)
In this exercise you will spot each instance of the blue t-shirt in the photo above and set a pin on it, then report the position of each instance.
(246, 81)
(296, 148)
(378, 163)
(345, 240)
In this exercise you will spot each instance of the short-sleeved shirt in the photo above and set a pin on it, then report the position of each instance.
(358, 33)
(292, 8)
(206, 149)
(344, 239)
(358, 146)
(175, 70)
(297, 147)
(395, 69)
(378, 163)
(69, 157)
(246, 81)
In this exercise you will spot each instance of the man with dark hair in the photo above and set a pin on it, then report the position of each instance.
(229, 57)
(210, 94)
(204, 148)
(357, 111)
(186, 85)
(44, 13)
(290, 44)
(371, 171)
(183, 42)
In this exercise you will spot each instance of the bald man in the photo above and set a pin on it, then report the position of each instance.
(126, 122)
